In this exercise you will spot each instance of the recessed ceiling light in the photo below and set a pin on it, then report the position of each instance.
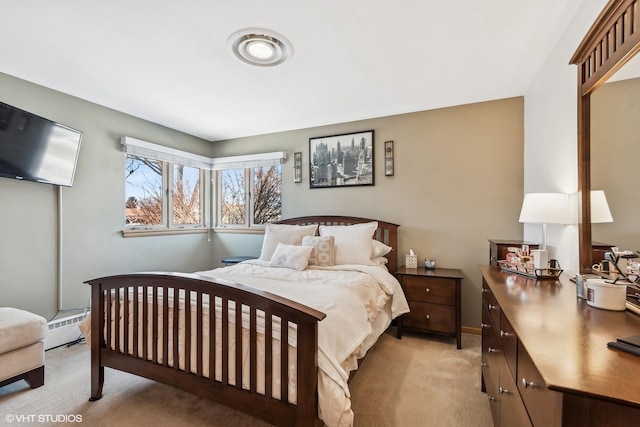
(260, 47)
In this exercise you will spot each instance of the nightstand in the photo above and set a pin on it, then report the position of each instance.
(434, 300)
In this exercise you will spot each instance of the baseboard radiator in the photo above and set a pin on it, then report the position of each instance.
(63, 331)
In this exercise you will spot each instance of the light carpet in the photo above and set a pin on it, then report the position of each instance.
(416, 381)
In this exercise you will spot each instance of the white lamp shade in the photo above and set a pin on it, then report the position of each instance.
(545, 208)
(599, 207)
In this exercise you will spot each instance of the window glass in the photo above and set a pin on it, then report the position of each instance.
(232, 197)
(267, 194)
(143, 191)
(186, 195)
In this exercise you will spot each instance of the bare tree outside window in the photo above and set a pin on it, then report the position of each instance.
(233, 196)
(145, 193)
(267, 192)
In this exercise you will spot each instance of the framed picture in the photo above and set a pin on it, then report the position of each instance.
(341, 160)
(388, 158)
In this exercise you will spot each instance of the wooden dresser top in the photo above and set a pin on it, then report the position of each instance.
(566, 338)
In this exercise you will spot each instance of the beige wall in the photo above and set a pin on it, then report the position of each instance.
(458, 182)
(615, 160)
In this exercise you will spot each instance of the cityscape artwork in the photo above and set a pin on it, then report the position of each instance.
(341, 160)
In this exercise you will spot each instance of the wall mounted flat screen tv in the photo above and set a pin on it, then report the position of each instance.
(33, 148)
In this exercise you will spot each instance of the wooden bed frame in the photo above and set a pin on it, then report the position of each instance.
(122, 292)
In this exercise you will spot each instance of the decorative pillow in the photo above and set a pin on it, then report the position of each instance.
(353, 242)
(283, 233)
(323, 252)
(379, 261)
(379, 249)
(291, 256)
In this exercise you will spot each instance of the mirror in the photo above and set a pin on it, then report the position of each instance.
(610, 42)
(615, 155)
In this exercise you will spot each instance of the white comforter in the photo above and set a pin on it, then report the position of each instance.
(352, 297)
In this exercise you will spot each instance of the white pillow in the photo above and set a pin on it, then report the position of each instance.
(353, 242)
(291, 256)
(323, 250)
(379, 249)
(283, 233)
(379, 261)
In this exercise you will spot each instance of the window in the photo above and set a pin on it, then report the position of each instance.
(250, 192)
(161, 195)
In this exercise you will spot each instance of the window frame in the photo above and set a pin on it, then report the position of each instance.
(249, 176)
(168, 225)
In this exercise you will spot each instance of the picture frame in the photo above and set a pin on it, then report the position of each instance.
(388, 158)
(297, 167)
(345, 160)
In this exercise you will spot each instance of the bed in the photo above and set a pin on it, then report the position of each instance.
(208, 332)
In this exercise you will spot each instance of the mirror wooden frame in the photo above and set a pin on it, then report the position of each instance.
(610, 42)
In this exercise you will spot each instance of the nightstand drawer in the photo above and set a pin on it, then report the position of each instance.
(436, 290)
(430, 317)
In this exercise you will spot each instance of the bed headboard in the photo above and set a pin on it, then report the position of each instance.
(387, 232)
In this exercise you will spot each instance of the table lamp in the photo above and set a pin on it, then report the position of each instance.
(544, 208)
(599, 208)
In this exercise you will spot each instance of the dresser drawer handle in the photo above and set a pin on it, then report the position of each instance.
(491, 306)
(491, 398)
(504, 334)
(485, 290)
(503, 390)
(427, 316)
(485, 325)
(526, 383)
(427, 290)
(493, 350)
(483, 364)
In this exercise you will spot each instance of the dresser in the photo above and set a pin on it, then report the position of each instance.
(434, 300)
(545, 360)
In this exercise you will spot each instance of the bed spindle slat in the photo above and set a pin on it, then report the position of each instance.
(284, 359)
(116, 315)
(199, 334)
(239, 344)
(165, 325)
(225, 340)
(253, 346)
(175, 330)
(268, 354)
(135, 325)
(125, 321)
(212, 337)
(155, 326)
(187, 330)
(145, 327)
(107, 308)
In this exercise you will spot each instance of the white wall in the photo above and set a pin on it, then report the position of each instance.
(92, 210)
(550, 133)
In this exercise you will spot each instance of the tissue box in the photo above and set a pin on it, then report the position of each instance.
(411, 261)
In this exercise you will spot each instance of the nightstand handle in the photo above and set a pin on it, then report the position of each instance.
(427, 316)
(427, 290)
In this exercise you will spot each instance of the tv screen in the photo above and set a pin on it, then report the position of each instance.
(33, 148)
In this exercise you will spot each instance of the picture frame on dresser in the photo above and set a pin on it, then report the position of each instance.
(345, 160)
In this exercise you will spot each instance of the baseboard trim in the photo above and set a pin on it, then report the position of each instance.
(470, 330)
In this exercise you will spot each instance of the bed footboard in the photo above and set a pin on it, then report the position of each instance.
(244, 348)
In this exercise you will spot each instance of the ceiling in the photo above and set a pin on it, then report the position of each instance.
(168, 61)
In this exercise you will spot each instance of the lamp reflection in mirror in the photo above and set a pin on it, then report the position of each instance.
(600, 208)
(545, 208)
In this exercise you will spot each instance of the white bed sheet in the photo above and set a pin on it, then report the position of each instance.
(353, 297)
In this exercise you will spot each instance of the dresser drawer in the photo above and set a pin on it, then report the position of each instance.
(436, 290)
(541, 403)
(512, 411)
(430, 317)
(509, 344)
